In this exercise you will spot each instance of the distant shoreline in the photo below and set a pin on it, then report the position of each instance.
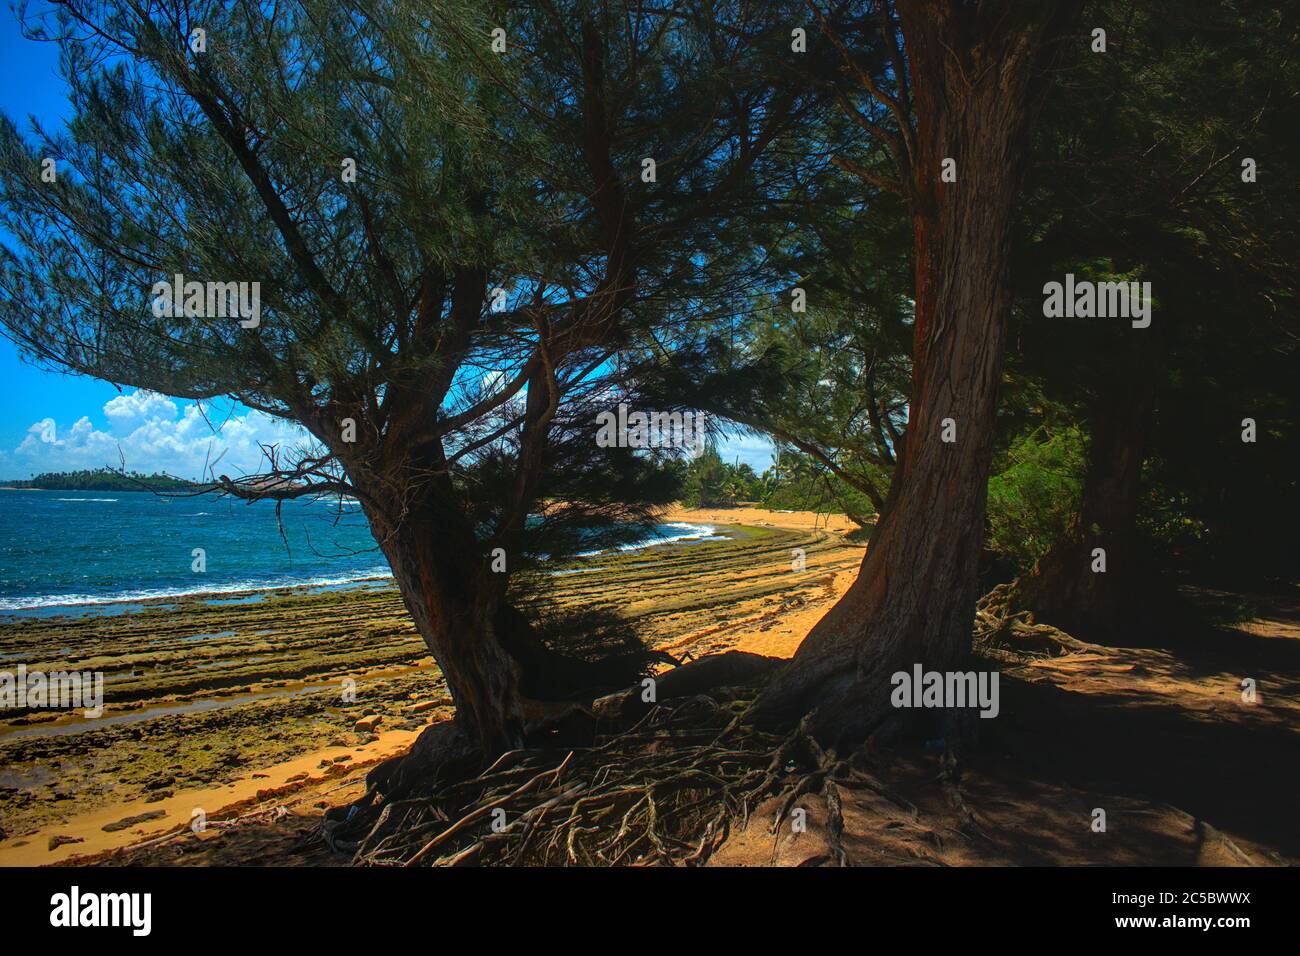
(147, 491)
(103, 479)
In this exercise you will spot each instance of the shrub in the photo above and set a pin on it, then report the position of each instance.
(1035, 494)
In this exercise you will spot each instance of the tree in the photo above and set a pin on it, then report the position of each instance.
(453, 236)
(1034, 491)
(1157, 137)
(106, 479)
(704, 479)
(844, 360)
(820, 359)
(966, 80)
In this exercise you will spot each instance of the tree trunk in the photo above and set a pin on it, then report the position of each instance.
(914, 598)
(439, 571)
(504, 681)
(1063, 589)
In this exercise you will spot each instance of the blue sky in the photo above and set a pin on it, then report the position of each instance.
(51, 421)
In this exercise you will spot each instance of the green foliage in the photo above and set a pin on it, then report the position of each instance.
(793, 482)
(707, 481)
(1168, 517)
(1035, 494)
(1139, 172)
(106, 479)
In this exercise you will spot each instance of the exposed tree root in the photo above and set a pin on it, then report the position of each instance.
(1002, 626)
(655, 784)
(664, 789)
(667, 790)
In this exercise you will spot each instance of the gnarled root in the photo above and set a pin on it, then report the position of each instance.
(621, 782)
(1003, 625)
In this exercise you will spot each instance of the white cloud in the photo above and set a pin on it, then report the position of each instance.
(153, 434)
(139, 406)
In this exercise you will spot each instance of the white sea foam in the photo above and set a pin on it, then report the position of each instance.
(688, 532)
(153, 594)
(684, 532)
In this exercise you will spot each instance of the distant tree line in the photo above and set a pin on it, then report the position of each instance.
(105, 479)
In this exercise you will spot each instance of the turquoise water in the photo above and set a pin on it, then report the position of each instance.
(88, 549)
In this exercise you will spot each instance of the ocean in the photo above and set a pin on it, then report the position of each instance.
(66, 550)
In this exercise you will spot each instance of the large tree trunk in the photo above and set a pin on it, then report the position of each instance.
(439, 571)
(1063, 588)
(914, 598)
(504, 681)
